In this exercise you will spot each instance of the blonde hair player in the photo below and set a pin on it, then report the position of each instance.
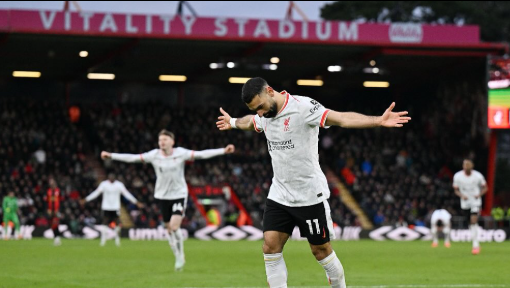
(299, 193)
(171, 190)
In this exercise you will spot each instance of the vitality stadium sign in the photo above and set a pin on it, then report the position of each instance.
(236, 29)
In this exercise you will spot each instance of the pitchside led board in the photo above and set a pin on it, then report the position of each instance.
(499, 94)
(499, 107)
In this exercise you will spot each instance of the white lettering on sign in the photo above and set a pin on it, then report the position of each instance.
(286, 29)
(166, 23)
(221, 29)
(262, 29)
(129, 25)
(188, 22)
(240, 24)
(47, 20)
(108, 23)
(86, 20)
(323, 34)
(304, 30)
(148, 24)
(348, 33)
(406, 33)
(67, 20)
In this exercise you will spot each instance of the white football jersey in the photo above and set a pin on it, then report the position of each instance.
(111, 195)
(469, 186)
(440, 214)
(292, 140)
(170, 182)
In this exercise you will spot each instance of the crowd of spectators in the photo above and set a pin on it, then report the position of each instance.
(38, 143)
(398, 176)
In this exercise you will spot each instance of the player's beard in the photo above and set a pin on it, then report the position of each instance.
(272, 111)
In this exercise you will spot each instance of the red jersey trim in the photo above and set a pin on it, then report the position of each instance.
(286, 101)
(255, 125)
(324, 117)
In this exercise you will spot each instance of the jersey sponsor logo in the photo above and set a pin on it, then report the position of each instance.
(316, 106)
(279, 145)
(286, 125)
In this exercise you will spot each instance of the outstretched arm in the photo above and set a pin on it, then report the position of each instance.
(209, 153)
(130, 196)
(129, 158)
(225, 122)
(355, 120)
(94, 194)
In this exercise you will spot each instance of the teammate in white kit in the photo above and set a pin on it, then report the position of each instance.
(171, 189)
(112, 190)
(440, 221)
(299, 190)
(470, 186)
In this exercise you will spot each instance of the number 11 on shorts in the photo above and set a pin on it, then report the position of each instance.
(316, 221)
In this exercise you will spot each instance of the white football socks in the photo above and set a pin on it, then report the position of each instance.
(446, 231)
(276, 270)
(117, 235)
(179, 241)
(474, 235)
(172, 243)
(334, 270)
(104, 230)
(433, 230)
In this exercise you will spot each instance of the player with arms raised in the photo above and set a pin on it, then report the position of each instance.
(112, 190)
(171, 189)
(299, 192)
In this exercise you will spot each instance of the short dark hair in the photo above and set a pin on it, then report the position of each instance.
(439, 223)
(167, 133)
(252, 87)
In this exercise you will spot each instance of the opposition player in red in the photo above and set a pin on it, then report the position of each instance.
(53, 198)
(299, 193)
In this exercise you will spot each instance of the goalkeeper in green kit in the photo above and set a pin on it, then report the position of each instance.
(10, 210)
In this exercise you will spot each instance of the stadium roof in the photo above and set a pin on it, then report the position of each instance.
(142, 47)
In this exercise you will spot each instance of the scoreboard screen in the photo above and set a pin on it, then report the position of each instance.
(499, 108)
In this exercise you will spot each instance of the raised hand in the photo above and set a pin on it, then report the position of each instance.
(394, 119)
(224, 121)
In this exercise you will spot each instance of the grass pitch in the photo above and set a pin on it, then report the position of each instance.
(82, 263)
